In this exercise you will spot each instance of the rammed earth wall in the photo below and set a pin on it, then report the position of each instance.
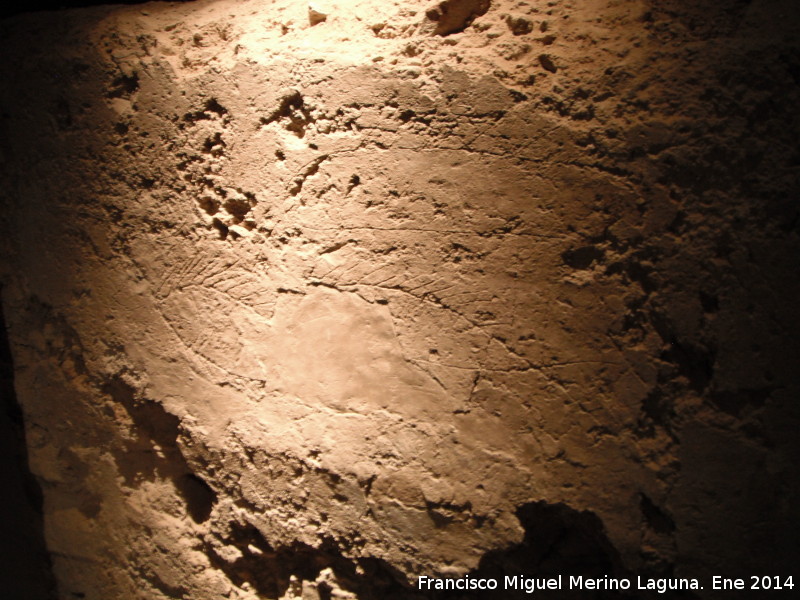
(309, 304)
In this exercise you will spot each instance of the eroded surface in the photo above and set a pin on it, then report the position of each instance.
(314, 306)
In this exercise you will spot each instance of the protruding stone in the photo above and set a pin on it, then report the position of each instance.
(316, 16)
(453, 16)
(519, 25)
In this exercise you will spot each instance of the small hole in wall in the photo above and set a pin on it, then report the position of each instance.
(197, 494)
(210, 205)
(655, 517)
(221, 228)
(238, 208)
(215, 107)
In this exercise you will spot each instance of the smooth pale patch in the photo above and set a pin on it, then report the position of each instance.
(341, 351)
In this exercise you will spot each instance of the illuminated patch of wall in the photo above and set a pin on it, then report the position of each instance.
(304, 303)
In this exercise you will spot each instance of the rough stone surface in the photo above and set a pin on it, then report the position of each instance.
(307, 309)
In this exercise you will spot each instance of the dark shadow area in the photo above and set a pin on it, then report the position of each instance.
(197, 494)
(559, 541)
(9, 9)
(24, 562)
(268, 570)
(155, 453)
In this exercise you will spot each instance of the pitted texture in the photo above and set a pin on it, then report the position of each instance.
(317, 306)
